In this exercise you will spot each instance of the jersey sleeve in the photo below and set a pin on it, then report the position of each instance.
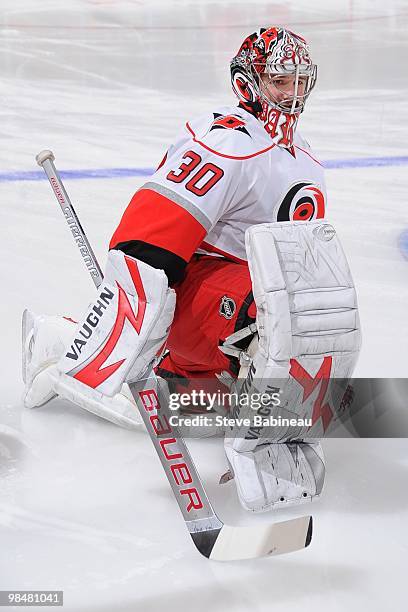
(170, 215)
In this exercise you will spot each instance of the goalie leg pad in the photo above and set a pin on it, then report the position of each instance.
(44, 341)
(273, 476)
(119, 409)
(124, 329)
(309, 334)
(307, 321)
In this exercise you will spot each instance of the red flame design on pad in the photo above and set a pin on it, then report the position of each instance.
(309, 384)
(94, 374)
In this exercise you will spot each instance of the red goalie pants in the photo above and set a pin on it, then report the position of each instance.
(213, 301)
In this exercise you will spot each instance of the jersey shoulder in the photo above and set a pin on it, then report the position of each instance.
(299, 141)
(229, 132)
(301, 144)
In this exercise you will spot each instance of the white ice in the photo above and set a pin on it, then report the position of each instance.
(84, 506)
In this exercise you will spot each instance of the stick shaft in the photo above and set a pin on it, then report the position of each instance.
(175, 458)
(45, 159)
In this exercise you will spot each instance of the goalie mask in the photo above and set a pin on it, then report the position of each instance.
(272, 75)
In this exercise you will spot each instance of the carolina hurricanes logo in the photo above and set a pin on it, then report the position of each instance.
(303, 202)
(228, 122)
(242, 87)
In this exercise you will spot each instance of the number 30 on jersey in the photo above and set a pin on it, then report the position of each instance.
(201, 177)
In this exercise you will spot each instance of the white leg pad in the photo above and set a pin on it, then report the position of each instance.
(273, 476)
(44, 341)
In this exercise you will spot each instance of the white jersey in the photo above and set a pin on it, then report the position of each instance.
(222, 175)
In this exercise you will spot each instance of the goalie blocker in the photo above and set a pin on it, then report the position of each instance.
(308, 334)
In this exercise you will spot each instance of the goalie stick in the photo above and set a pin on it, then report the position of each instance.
(213, 538)
(45, 159)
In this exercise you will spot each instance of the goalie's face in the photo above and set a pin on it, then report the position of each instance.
(286, 92)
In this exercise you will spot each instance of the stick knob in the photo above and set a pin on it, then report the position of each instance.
(43, 156)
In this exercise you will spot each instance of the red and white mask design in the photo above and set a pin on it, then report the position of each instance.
(272, 75)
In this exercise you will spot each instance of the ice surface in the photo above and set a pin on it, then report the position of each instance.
(84, 506)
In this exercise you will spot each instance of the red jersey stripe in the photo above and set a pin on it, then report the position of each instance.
(190, 129)
(309, 154)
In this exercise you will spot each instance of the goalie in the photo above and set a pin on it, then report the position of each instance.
(213, 259)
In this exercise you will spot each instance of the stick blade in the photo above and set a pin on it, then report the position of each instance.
(235, 543)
